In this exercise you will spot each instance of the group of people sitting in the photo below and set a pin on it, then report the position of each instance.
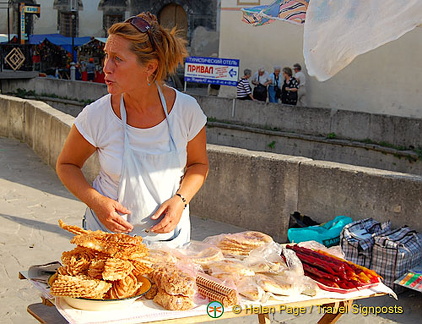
(288, 88)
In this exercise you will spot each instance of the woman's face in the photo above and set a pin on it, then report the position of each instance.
(276, 72)
(123, 73)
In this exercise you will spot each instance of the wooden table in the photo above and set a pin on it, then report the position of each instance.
(46, 313)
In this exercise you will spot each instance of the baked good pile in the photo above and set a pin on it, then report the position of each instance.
(101, 266)
(229, 268)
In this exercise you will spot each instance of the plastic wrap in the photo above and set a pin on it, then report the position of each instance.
(214, 289)
(294, 264)
(266, 258)
(248, 287)
(239, 245)
(200, 253)
(175, 279)
(228, 269)
(160, 255)
(175, 285)
(334, 250)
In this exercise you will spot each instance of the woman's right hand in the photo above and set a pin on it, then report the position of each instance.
(109, 213)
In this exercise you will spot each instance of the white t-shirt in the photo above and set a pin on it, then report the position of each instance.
(102, 128)
(261, 78)
(300, 76)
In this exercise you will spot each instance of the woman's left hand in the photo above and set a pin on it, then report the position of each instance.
(171, 210)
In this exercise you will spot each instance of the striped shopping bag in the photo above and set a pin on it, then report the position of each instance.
(357, 239)
(396, 252)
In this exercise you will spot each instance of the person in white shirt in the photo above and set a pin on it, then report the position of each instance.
(150, 139)
(301, 78)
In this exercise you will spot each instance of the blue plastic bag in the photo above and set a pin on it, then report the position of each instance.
(327, 234)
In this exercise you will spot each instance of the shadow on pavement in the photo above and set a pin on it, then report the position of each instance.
(38, 225)
(21, 165)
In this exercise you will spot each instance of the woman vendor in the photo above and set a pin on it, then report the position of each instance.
(150, 139)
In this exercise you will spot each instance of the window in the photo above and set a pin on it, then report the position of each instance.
(110, 19)
(113, 12)
(67, 21)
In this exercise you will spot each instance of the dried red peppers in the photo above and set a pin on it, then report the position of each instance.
(332, 271)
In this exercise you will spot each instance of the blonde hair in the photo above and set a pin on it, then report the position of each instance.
(158, 43)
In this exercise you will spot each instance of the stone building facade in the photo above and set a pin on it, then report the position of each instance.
(198, 21)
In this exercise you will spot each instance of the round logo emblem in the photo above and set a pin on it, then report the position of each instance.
(215, 309)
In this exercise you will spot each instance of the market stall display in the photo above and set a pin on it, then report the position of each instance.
(233, 269)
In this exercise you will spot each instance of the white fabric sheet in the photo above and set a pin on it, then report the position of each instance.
(335, 32)
(146, 310)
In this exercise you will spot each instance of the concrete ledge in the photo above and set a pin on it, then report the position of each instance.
(398, 131)
(345, 124)
(249, 189)
(42, 127)
(315, 147)
(255, 190)
(327, 189)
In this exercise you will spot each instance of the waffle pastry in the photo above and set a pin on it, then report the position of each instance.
(79, 287)
(124, 288)
(116, 269)
(210, 254)
(239, 244)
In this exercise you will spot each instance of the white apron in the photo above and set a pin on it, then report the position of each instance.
(146, 181)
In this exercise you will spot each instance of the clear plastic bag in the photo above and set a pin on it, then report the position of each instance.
(175, 279)
(200, 253)
(266, 258)
(334, 250)
(248, 288)
(290, 282)
(228, 269)
(239, 245)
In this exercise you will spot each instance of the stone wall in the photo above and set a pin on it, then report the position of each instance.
(344, 124)
(370, 140)
(255, 190)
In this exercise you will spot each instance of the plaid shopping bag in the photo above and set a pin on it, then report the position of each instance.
(396, 252)
(357, 239)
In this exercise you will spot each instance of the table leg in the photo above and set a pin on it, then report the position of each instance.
(264, 319)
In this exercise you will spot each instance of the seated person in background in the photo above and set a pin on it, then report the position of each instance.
(261, 80)
(244, 90)
(290, 87)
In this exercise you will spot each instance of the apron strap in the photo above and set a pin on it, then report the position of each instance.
(164, 105)
(124, 119)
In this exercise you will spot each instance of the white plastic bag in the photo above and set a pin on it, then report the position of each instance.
(336, 31)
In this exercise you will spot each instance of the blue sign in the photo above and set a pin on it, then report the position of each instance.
(212, 70)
